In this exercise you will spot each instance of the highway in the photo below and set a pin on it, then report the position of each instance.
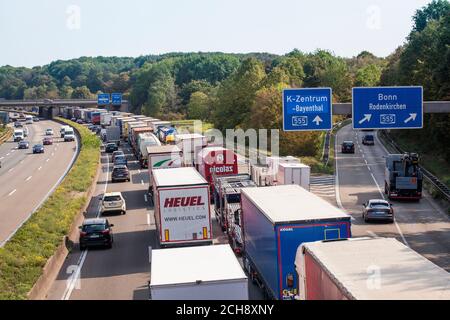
(122, 272)
(26, 179)
(423, 225)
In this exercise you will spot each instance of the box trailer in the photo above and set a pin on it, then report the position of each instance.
(112, 134)
(208, 273)
(368, 269)
(106, 118)
(216, 161)
(182, 210)
(145, 140)
(294, 173)
(190, 144)
(135, 131)
(126, 129)
(162, 157)
(96, 117)
(275, 221)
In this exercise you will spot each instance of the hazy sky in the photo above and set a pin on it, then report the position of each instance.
(36, 32)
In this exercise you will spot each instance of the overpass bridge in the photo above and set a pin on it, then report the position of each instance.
(50, 107)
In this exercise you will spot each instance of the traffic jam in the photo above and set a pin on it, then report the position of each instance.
(288, 242)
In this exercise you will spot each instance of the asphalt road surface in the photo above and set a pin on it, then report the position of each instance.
(423, 225)
(26, 178)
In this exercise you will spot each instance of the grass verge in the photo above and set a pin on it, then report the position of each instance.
(23, 257)
(5, 133)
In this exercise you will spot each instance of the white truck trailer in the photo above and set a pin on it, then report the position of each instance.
(294, 173)
(368, 269)
(207, 273)
(182, 210)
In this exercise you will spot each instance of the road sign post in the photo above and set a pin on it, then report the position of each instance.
(387, 108)
(307, 109)
(116, 99)
(103, 99)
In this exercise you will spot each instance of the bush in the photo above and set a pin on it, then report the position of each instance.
(23, 257)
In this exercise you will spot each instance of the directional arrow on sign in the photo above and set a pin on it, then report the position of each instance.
(367, 118)
(317, 120)
(412, 117)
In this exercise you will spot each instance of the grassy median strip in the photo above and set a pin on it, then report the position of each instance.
(23, 257)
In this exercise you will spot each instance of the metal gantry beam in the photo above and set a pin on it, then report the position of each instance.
(428, 107)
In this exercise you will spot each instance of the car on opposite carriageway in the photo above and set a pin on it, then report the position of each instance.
(23, 144)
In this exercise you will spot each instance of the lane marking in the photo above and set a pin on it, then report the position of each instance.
(47, 160)
(2, 158)
(372, 234)
(13, 151)
(53, 154)
(12, 192)
(336, 180)
(7, 154)
(139, 170)
(39, 169)
(148, 218)
(142, 182)
(10, 169)
(29, 178)
(75, 278)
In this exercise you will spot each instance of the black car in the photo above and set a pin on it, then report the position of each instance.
(24, 144)
(96, 232)
(111, 147)
(120, 173)
(348, 147)
(38, 148)
(368, 140)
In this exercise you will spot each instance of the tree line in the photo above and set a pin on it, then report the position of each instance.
(244, 90)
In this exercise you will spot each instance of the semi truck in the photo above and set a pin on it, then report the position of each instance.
(367, 269)
(112, 134)
(208, 273)
(403, 177)
(218, 161)
(294, 173)
(162, 157)
(105, 118)
(145, 140)
(182, 210)
(135, 131)
(166, 134)
(275, 221)
(190, 144)
(227, 205)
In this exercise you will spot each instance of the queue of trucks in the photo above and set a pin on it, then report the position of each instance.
(291, 243)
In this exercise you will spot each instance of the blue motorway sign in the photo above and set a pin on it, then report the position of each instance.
(116, 99)
(387, 108)
(307, 109)
(103, 99)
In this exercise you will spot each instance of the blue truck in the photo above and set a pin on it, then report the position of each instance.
(275, 221)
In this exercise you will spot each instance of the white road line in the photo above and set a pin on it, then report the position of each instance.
(139, 170)
(372, 234)
(21, 162)
(39, 169)
(336, 179)
(7, 154)
(12, 192)
(10, 169)
(29, 178)
(2, 158)
(148, 218)
(13, 151)
(142, 182)
(47, 160)
(53, 154)
(75, 278)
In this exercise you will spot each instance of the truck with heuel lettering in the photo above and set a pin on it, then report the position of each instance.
(227, 205)
(403, 177)
(162, 157)
(182, 210)
(367, 269)
(275, 221)
(209, 273)
(218, 161)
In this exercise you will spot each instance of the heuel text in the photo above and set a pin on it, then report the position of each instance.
(183, 202)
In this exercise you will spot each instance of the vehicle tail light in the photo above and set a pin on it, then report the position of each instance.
(105, 231)
(166, 234)
(205, 233)
(83, 234)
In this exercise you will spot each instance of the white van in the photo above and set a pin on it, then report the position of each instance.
(62, 130)
(28, 119)
(18, 135)
(69, 134)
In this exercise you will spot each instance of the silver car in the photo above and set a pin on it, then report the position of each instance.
(378, 209)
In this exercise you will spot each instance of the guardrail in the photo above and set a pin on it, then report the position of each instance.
(432, 179)
(326, 146)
